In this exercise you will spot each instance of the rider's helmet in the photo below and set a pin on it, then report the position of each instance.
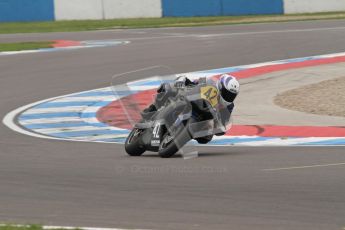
(228, 87)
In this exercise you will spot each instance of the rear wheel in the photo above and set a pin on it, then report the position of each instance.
(133, 146)
(171, 144)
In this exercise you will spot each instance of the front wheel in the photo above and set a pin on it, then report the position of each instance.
(133, 146)
(171, 144)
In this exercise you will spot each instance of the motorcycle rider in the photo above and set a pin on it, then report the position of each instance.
(228, 87)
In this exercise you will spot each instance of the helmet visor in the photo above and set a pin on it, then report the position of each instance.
(227, 95)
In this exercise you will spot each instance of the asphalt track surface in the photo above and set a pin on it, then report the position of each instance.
(93, 184)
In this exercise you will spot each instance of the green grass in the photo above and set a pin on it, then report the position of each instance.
(84, 25)
(24, 46)
(25, 227)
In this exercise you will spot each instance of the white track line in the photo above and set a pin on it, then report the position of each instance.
(142, 88)
(92, 109)
(100, 137)
(56, 110)
(74, 129)
(72, 228)
(49, 120)
(289, 141)
(234, 33)
(91, 98)
(84, 45)
(304, 167)
(76, 109)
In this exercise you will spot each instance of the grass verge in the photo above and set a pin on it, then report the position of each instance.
(24, 46)
(85, 25)
(28, 227)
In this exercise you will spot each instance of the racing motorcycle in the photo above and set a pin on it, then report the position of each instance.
(181, 114)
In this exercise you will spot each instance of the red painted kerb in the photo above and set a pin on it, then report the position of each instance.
(65, 43)
(114, 115)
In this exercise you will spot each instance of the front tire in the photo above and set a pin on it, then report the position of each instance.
(171, 145)
(132, 145)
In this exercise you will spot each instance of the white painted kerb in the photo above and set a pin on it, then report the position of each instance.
(313, 6)
(106, 9)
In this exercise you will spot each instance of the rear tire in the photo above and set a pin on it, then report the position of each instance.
(132, 145)
(171, 145)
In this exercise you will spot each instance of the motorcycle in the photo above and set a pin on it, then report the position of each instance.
(181, 114)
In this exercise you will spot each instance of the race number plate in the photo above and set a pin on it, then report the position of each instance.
(210, 94)
(155, 141)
